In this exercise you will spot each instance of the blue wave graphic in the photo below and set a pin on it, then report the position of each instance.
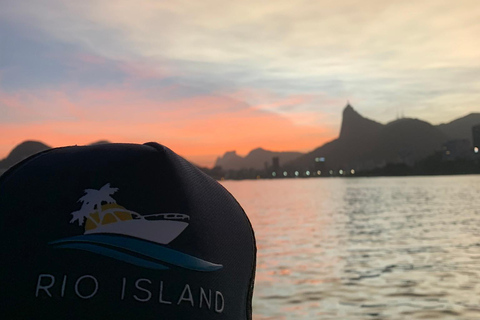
(114, 254)
(135, 251)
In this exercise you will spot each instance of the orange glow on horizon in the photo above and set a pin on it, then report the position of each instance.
(199, 128)
(196, 144)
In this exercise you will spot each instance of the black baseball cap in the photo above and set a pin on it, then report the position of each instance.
(121, 231)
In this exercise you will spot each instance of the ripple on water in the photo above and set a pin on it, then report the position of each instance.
(365, 248)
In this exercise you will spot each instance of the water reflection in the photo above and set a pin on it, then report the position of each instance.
(377, 248)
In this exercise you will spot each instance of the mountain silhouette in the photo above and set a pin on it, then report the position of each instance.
(355, 126)
(255, 159)
(361, 145)
(460, 128)
(22, 151)
(27, 149)
(99, 142)
(366, 144)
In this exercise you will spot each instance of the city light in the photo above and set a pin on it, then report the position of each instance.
(296, 173)
(475, 149)
(352, 171)
(319, 173)
(274, 174)
(307, 173)
(340, 171)
(331, 172)
(285, 173)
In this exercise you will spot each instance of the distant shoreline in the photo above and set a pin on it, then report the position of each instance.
(356, 176)
(433, 165)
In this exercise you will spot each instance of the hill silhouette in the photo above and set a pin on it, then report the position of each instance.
(355, 126)
(255, 159)
(364, 144)
(22, 151)
(460, 128)
(25, 150)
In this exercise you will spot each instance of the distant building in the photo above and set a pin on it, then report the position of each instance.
(320, 165)
(275, 171)
(276, 163)
(457, 149)
(476, 138)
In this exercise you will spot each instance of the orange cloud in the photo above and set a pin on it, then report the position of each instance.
(199, 128)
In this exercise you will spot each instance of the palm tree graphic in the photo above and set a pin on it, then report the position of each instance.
(91, 202)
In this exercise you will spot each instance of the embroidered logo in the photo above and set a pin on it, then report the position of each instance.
(119, 233)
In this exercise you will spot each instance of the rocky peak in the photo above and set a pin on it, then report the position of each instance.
(258, 151)
(355, 126)
(230, 154)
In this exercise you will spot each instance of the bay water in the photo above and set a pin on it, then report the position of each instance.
(365, 248)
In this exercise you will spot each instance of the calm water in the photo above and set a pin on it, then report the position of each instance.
(365, 248)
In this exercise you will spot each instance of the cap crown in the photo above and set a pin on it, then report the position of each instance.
(121, 231)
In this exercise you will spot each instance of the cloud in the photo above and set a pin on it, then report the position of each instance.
(200, 127)
(273, 34)
(365, 51)
(214, 65)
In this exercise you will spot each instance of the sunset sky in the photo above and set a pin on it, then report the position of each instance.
(205, 77)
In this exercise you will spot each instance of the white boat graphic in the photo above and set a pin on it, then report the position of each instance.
(101, 214)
